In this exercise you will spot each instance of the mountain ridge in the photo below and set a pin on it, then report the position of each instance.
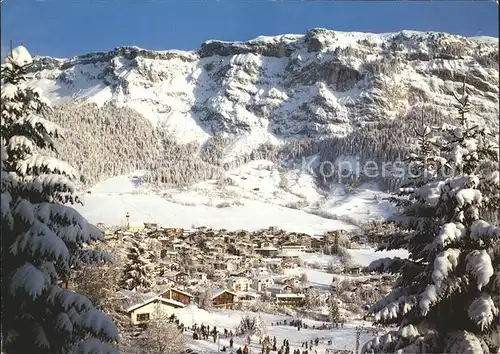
(280, 89)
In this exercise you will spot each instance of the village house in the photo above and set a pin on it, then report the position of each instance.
(262, 283)
(290, 299)
(168, 253)
(317, 243)
(151, 308)
(292, 248)
(176, 276)
(224, 299)
(267, 251)
(177, 295)
(239, 283)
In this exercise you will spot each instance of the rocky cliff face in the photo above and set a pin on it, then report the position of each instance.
(276, 89)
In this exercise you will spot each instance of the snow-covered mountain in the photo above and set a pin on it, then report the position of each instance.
(274, 89)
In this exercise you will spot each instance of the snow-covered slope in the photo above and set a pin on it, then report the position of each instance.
(285, 87)
(259, 196)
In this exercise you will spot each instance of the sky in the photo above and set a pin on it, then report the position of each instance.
(65, 28)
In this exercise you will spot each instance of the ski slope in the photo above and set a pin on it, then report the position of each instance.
(110, 201)
(259, 195)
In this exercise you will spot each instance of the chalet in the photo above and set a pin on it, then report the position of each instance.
(267, 251)
(172, 255)
(219, 248)
(290, 299)
(155, 306)
(177, 295)
(292, 248)
(262, 283)
(239, 283)
(224, 299)
(317, 244)
(176, 276)
(279, 289)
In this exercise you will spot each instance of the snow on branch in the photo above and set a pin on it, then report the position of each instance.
(41, 241)
(29, 280)
(480, 229)
(468, 196)
(6, 213)
(19, 56)
(21, 143)
(24, 210)
(483, 311)
(9, 91)
(63, 323)
(98, 322)
(427, 298)
(449, 233)
(478, 263)
(68, 299)
(443, 264)
(65, 215)
(52, 188)
(91, 346)
(38, 164)
(465, 343)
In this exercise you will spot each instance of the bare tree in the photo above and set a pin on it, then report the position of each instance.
(205, 299)
(161, 336)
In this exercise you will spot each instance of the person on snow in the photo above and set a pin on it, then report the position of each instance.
(245, 349)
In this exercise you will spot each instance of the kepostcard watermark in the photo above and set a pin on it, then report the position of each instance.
(356, 169)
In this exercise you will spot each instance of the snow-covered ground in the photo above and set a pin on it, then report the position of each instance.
(260, 195)
(342, 338)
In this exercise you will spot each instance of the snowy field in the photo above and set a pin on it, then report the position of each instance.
(260, 196)
(342, 338)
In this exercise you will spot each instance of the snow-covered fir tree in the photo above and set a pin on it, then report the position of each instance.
(260, 330)
(137, 272)
(448, 293)
(43, 238)
(333, 309)
(247, 324)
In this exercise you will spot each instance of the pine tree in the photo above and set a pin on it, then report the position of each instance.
(260, 330)
(43, 239)
(333, 309)
(447, 296)
(137, 272)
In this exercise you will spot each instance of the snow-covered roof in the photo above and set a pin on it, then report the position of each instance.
(234, 279)
(177, 290)
(267, 248)
(156, 298)
(221, 291)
